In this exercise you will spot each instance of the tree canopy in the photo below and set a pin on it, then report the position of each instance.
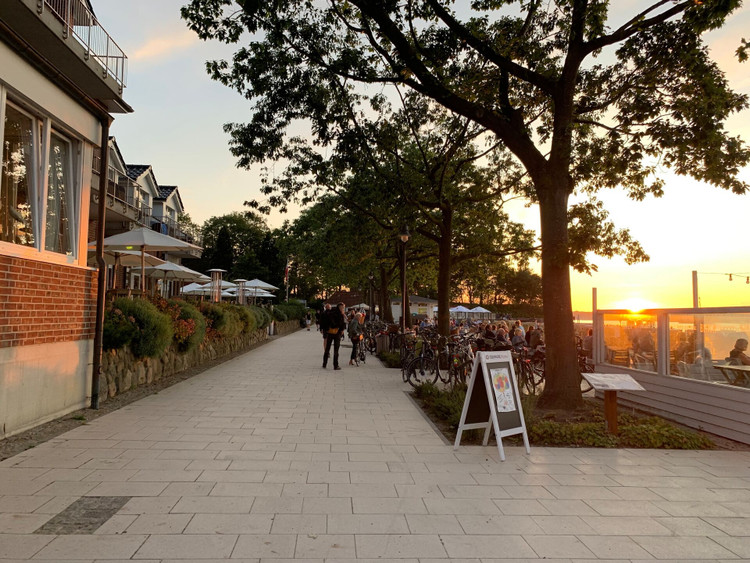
(581, 101)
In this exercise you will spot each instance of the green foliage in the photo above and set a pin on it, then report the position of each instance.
(263, 317)
(656, 432)
(585, 429)
(279, 314)
(153, 330)
(215, 318)
(390, 359)
(119, 329)
(525, 71)
(294, 310)
(189, 325)
(233, 324)
(246, 318)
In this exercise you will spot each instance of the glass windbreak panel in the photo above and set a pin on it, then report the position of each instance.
(59, 233)
(16, 200)
(630, 340)
(700, 343)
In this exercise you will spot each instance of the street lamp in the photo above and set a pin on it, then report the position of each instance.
(404, 236)
(371, 303)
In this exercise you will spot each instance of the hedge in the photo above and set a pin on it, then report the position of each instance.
(138, 323)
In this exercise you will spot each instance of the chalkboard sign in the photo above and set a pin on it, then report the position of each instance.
(492, 400)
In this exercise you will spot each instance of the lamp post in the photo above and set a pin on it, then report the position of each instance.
(371, 302)
(404, 236)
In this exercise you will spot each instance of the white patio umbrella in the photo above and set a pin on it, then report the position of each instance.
(259, 284)
(459, 309)
(190, 287)
(145, 239)
(128, 258)
(199, 290)
(172, 271)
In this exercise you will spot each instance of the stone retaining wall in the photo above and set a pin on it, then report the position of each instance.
(121, 371)
(281, 328)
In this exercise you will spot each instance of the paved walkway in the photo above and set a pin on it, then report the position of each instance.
(268, 457)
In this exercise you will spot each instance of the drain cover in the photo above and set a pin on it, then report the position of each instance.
(84, 516)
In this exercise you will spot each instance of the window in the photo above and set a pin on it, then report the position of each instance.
(37, 210)
(60, 232)
(17, 207)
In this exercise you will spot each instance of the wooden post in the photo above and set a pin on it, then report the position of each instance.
(610, 411)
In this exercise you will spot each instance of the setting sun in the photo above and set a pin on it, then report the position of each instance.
(635, 304)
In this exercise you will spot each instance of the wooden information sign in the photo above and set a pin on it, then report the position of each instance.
(611, 383)
(492, 401)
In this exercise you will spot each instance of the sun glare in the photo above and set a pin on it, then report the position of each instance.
(635, 304)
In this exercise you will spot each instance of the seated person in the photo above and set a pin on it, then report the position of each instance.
(518, 341)
(737, 356)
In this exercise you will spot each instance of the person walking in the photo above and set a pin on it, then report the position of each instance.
(323, 322)
(335, 324)
(356, 330)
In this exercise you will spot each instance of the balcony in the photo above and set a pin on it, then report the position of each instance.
(168, 226)
(124, 205)
(65, 39)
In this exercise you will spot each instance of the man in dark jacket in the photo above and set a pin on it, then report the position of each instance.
(333, 325)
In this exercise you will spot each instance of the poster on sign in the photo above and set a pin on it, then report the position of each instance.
(492, 401)
(503, 389)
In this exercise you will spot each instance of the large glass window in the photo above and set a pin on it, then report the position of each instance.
(37, 210)
(700, 342)
(17, 178)
(630, 340)
(59, 236)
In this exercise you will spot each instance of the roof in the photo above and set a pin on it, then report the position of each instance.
(414, 299)
(166, 191)
(135, 171)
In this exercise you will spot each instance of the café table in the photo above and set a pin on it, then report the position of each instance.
(735, 375)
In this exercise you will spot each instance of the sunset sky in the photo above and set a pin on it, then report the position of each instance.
(177, 128)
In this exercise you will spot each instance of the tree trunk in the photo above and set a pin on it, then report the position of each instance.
(445, 264)
(562, 386)
(386, 314)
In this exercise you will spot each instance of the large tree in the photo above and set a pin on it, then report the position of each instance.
(525, 70)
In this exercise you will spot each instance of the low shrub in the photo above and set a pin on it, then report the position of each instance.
(188, 323)
(390, 359)
(233, 324)
(215, 319)
(152, 330)
(584, 428)
(279, 314)
(118, 329)
(263, 317)
(293, 310)
(247, 319)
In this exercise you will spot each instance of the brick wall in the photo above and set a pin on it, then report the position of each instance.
(42, 303)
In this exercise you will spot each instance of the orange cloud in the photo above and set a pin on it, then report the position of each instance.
(163, 47)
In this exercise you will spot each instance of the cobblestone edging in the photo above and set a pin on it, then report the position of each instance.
(121, 371)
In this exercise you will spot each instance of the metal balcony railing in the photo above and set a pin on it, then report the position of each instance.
(127, 192)
(84, 27)
(168, 226)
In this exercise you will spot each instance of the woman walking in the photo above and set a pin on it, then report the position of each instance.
(356, 330)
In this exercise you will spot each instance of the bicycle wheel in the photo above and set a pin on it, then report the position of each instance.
(526, 379)
(370, 344)
(421, 370)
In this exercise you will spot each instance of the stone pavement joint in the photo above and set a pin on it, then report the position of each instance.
(267, 457)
